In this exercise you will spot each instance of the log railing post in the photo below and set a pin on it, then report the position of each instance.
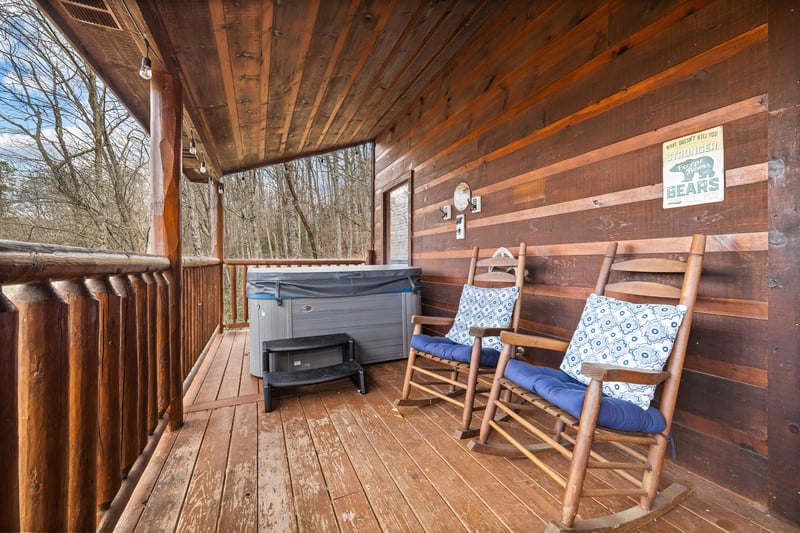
(234, 301)
(83, 411)
(162, 343)
(245, 307)
(175, 375)
(152, 352)
(142, 359)
(109, 469)
(129, 373)
(9, 428)
(43, 414)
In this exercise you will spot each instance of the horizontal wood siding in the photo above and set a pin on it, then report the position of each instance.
(556, 118)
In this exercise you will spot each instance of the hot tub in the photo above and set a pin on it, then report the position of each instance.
(371, 303)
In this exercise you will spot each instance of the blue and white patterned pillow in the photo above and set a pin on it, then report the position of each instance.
(623, 334)
(484, 308)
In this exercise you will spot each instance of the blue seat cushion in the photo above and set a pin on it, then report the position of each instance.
(567, 393)
(447, 349)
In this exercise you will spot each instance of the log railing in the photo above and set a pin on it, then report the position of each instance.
(235, 281)
(86, 374)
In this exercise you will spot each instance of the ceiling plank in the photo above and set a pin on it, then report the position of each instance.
(265, 36)
(297, 76)
(334, 41)
(292, 28)
(225, 55)
(365, 32)
(438, 40)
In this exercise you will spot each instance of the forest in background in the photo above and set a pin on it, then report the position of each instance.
(74, 168)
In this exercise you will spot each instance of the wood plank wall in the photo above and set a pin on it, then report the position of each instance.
(555, 115)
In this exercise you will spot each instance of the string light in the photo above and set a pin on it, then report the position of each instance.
(192, 144)
(146, 70)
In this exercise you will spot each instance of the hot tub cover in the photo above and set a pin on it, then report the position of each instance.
(330, 282)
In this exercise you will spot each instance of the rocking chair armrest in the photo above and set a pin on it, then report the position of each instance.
(476, 331)
(533, 341)
(602, 372)
(432, 320)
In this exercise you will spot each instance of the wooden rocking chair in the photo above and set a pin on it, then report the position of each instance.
(622, 438)
(471, 347)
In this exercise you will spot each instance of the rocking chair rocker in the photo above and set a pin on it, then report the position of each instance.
(600, 396)
(471, 347)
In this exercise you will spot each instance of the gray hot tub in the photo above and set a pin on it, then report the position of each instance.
(372, 303)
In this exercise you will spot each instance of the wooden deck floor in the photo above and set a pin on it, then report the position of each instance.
(329, 459)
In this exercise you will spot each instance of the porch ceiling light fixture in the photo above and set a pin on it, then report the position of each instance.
(146, 70)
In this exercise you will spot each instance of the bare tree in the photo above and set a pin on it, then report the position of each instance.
(74, 167)
(81, 163)
(312, 207)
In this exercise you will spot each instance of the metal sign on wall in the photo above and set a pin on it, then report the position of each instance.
(694, 169)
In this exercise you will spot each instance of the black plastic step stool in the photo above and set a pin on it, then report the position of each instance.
(349, 367)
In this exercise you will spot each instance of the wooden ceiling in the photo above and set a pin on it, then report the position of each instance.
(268, 81)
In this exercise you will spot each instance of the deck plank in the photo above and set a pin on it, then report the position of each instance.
(471, 477)
(232, 375)
(312, 503)
(163, 507)
(330, 459)
(378, 484)
(340, 477)
(531, 494)
(391, 436)
(355, 513)
(240, 494)
(209, 388)
(276, 510)
(202, 503)
(211, 355)
(141, 494)
(249, 383)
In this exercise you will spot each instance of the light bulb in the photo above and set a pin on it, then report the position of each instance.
(192, 146)
(202, 167)
(146, 70)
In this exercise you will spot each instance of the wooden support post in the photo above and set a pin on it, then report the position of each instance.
(165, 208)
(109, 470)
(9, 428)
(43, 414)
(217, 237)
(783, 326)
(83, 410)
